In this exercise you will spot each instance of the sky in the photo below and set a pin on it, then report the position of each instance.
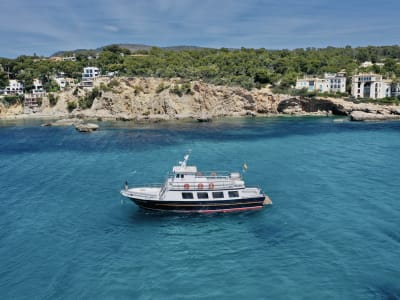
(44, 27)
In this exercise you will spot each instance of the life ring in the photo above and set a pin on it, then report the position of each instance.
(211, 186)
(200, 186)
(186, 186)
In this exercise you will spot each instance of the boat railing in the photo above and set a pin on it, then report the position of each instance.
(210, 174)
(142, 195)
(252, 190)
(146, 185)
(206, 185)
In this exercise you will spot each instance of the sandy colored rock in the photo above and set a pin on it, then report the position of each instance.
(154, 99)
(364, 116)
(86, 127)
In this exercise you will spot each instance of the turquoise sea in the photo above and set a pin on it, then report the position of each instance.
(333, 231)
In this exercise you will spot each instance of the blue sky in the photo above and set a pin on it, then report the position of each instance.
(44, 27)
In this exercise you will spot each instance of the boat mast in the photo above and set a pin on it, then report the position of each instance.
(184, 162)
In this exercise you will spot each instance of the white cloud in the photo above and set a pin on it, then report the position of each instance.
(111, 28)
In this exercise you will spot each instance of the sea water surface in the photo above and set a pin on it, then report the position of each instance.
(333, 231)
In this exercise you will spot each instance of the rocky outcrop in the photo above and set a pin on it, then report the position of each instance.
(86, 127)
(64, 122)
(156, 99)
(372, 116)
(296, 106)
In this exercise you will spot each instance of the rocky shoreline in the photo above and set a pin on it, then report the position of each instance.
(155, 99)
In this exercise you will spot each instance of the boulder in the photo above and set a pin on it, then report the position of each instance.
(88, 127)
(395, 111)
(363, 116)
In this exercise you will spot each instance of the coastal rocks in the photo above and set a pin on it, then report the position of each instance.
(63, 122)
(77, 123)
(86, 127)
(301, 106)
(395, 111)
(367, 116)
(203, 117)
(150, 99)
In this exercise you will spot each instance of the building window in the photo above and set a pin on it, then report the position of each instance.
(202, 195)
(233, 194)
(218, 195)
(187, 195)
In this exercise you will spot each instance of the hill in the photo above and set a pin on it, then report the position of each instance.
(130, 47)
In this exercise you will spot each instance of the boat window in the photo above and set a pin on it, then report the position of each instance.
(187, 195)
(202, 195)
(233, 194)
(177, 175)
(218, 194)
(182, 176)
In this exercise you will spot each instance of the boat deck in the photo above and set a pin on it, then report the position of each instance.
(147, 193)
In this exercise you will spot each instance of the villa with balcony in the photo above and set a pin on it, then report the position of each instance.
(370, 85)
(14, 87)
(330, 83)
(88, 76)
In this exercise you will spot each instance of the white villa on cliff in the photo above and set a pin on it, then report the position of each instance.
(14, 87)
(88, 75)
(330, 83)
(370, 85)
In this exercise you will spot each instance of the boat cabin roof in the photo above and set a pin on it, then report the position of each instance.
(185, 169)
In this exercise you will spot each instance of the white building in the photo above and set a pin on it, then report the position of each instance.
(370, 86)
(38, 87)
(395, 89)
(61, 82)
(367, 64)
(14, 88)
(69, 58)
(312, 84)
(337, 82)
(88, 75)
(90, 72)
(331, 83)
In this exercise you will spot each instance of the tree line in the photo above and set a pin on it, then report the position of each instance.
(244, 67)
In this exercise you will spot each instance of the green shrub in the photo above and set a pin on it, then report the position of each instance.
(104, 87)
(161, 87)
(137, 90)
(71, 106)
(87, 101)
(181, 89)
(12, 100)
(113, 83)
(175, 89)
(52, 99)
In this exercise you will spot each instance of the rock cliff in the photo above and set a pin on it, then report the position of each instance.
(166, 99)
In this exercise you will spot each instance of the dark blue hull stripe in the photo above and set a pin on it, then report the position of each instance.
(199, 205)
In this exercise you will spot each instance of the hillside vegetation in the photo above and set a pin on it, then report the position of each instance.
(247, 68)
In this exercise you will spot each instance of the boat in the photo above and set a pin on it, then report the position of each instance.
(186, 190)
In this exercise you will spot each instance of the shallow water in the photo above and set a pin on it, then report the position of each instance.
(332, 232)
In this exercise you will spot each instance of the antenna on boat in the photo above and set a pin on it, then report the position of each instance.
(185, 159)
